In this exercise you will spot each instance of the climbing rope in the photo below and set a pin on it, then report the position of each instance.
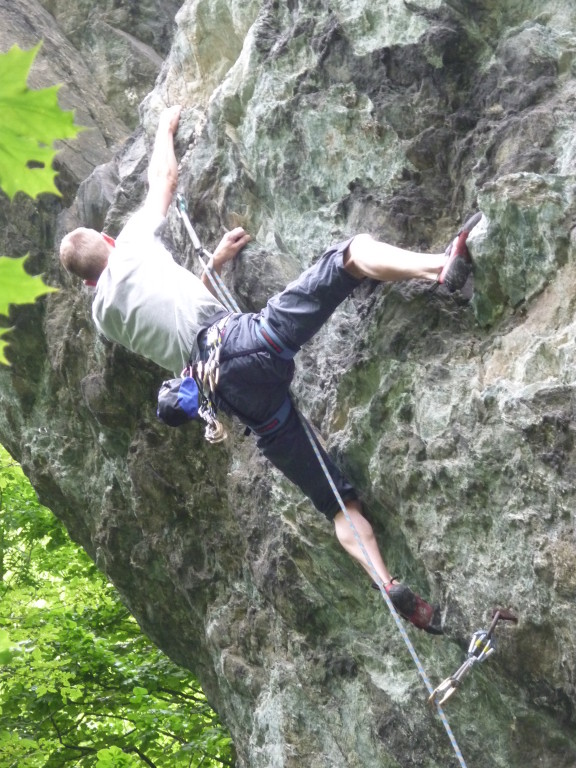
(231, 305)
(385, 595)
(222, 291)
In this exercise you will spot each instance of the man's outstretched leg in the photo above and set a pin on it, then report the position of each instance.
(410, 605)
(298, 312)
(367, 257)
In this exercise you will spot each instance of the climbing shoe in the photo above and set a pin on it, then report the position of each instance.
(458, 264)
(413, 608)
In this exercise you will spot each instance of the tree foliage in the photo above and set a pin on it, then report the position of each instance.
(32, 122)
(80, 685)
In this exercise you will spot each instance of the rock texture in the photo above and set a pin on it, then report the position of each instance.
(306, 122)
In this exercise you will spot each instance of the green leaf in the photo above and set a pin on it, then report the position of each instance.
(17, 286)
(6, 648)
(75, 694)
(114, 757)
(31, 122)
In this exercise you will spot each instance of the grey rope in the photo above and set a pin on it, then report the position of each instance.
(384, 594)
(222, 291)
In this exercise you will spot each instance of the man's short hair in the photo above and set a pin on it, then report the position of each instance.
(84, 252)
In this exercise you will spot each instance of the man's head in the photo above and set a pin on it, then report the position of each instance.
(85, 252)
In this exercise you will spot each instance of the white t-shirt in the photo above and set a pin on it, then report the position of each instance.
(148, 303)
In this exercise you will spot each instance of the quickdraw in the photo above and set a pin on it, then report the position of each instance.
(207, 374)
(482, 646)
(215, 431)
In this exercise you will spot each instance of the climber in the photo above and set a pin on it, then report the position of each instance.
(152, 306)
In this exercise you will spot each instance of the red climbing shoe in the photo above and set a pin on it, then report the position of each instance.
(414, 609)
(459, 264)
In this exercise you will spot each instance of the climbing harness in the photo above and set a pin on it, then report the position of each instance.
(482, 646)
(271, 341)
(221, 290)
(207, 374)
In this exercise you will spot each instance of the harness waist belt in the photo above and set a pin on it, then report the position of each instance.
(278, 420)
(272, 341)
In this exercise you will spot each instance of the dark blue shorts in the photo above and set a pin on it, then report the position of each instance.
(257, 367)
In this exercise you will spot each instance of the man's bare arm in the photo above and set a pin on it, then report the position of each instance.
(163, 167)
(162, 181)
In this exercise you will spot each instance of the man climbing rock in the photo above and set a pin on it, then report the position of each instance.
(156, 308)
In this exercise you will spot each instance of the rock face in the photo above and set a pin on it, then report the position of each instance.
(306, 122)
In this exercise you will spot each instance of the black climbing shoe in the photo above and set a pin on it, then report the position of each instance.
(413, 608)
(459, 264)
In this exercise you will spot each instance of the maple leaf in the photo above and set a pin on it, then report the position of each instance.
(31, 122)
(18, 287)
